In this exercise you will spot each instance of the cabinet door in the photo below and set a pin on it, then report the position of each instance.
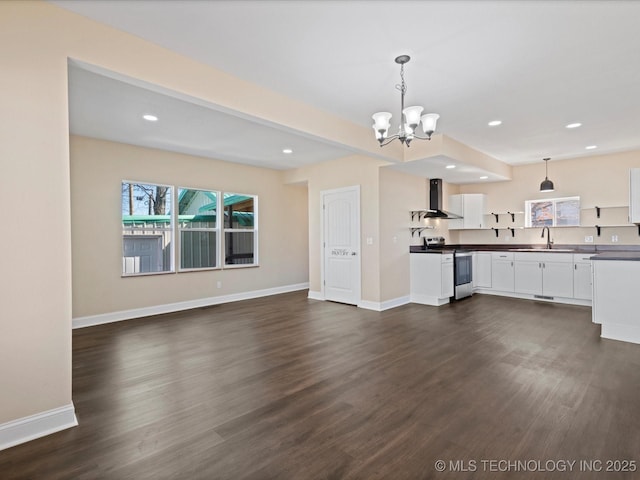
(473, 208)
(502, 275)
(582, 281)
(528, 277)
(482, 270)
(447, 277)
(456, 207)
(557, 279)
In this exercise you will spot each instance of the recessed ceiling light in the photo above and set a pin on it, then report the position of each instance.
(591, 147)
(150, 118)
(484, 177)
(495, 123)
(574, 125)
(287, 150)
(451, 166)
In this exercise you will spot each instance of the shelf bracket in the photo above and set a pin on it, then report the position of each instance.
(513, 216)
(495, 230)
(639, 229)
(598, 229)
(598, 214)
(495, 215)
(513, 230)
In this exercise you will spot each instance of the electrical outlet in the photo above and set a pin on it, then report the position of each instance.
(614, 238)
(588, 239)
(219, 284)
(369, 240)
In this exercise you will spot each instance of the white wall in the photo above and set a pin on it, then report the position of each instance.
(97, 171)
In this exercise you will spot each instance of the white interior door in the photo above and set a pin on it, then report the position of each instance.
(341, 244)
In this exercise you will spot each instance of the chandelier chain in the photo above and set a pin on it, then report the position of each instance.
(402, 86)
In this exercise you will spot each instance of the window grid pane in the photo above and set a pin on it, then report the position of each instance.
(147, 230)
(198, 226)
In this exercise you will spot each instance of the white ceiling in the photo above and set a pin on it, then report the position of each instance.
(111, 109)
(535, 65)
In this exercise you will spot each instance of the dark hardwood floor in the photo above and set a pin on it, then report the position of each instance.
(289, 388)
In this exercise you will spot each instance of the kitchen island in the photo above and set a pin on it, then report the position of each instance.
(616, 295)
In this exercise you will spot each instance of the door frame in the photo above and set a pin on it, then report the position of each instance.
(323, 194)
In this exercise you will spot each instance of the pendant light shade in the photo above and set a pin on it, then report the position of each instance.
(546, 185)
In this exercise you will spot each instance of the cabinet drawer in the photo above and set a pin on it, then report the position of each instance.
(502, 255)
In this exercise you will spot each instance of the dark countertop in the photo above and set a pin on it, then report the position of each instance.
(625, 256)
(600, 252)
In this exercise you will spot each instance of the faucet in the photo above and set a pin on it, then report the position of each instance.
(549, 241)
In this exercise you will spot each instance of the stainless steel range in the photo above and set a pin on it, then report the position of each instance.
(462, 274)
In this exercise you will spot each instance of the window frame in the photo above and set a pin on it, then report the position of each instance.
(226, 230)
(528, 204)
(217, 229)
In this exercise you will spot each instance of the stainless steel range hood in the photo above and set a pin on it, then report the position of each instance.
(435, 201)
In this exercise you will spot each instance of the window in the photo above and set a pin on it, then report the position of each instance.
(553, 212)
(199, 228)
(240, 229)
(147, 228)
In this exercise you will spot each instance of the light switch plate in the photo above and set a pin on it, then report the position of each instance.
(614, 238)
(588, 239)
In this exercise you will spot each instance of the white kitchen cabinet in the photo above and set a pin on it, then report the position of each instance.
(431, 278)
(557, 277)
(616, 302)
(527, 275)
(634, 195)
(481, 274)
(582, 277)
(545, 274)
(502, 278)
(470, 206)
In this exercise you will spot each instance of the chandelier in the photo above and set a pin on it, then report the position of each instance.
(410, 117)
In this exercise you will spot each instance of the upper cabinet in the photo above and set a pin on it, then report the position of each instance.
(634, 195)
(470, 206)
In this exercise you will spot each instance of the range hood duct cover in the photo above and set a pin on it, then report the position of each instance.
(435, 201)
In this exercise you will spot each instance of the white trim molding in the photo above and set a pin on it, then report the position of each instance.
(91, 320)
(386, 305)
(316, 295)
(35, 426)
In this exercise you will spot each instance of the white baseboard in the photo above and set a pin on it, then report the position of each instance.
(99, 319)
(382, 306)
(35, 426)
(624, 333)
(315, 295)
(566, 301)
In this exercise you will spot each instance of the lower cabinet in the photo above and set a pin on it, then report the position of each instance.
(502, 271)
(481, 270)
(582, 277)
(544, 274)
(431, 278)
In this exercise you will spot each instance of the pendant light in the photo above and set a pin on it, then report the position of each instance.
(546, 185)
